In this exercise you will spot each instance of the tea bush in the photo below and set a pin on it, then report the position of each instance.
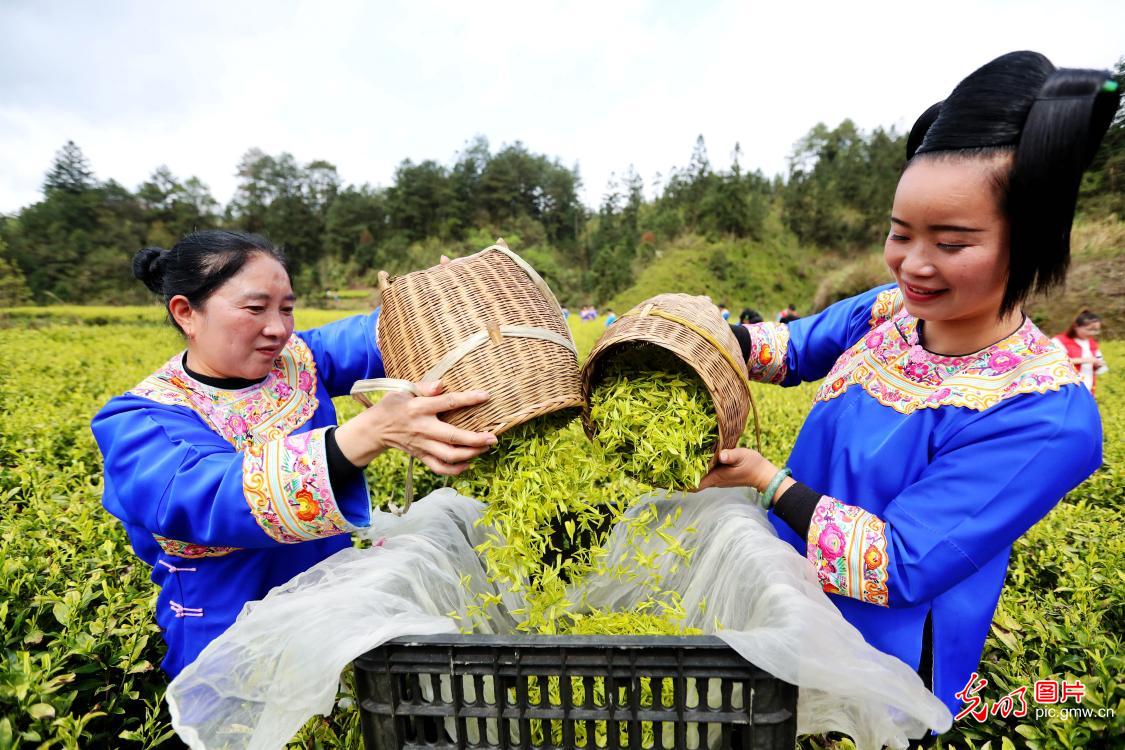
(80, 648)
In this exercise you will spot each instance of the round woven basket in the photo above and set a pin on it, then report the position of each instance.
(483, 322)
(693, 329)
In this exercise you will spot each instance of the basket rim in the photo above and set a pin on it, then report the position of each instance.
(541, 409)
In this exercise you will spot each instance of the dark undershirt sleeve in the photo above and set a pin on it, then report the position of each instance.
(340, 469)
(744, 340)
(796, 506)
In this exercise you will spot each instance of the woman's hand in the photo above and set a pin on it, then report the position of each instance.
(739, 467)
(410, 423)
(743, 467)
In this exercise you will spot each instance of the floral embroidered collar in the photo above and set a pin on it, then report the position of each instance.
(268, 410)
(891, 365)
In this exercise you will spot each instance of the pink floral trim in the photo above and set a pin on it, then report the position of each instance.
(891, 365)
(268, 411)
(287, 487)
(189, 550)
(848, 547)
(769, 345)
(274, 408)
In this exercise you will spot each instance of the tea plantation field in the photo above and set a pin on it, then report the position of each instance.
(80, 650)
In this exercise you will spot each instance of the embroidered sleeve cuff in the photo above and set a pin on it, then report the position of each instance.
(287, 486)
(848, 547)
(768, 348)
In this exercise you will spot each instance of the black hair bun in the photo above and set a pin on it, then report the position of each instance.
(921, 127)
(148, 266)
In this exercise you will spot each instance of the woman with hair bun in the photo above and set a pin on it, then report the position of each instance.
(1080, 340)
(947, 423)
(226, 465)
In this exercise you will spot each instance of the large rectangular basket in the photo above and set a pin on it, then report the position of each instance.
(471, 691)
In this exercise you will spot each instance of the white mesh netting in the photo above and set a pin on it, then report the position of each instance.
(280, 663)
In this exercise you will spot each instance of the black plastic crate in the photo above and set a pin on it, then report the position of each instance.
(468, 691)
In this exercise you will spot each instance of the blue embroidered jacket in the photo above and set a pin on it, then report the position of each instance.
(929, 468)
(216, 487)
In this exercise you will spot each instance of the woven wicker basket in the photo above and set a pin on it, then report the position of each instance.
(483, 322)
(693, 329)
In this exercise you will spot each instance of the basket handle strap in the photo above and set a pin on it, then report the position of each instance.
(379, 385)
(740, 370)
(457, 353)
(376, 385)
(502, 247)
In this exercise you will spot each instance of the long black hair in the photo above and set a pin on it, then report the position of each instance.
(199, 264)
(1052, 120)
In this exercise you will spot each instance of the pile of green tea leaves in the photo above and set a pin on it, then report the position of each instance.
(552, 498)
(549, 506)
(654, 417)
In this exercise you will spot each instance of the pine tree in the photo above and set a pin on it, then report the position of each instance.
(71, 172)
(700, 166)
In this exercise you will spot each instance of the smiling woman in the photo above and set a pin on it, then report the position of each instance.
(948, 250)
(947, 423)
(230, 452)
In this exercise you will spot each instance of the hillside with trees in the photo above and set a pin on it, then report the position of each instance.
(809, 237)
(727, 228)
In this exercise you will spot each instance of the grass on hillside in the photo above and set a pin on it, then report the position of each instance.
(763, 275)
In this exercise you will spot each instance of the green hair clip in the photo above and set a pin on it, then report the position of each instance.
(1109, 86)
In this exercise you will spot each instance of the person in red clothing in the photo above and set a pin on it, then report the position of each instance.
(1080, 342)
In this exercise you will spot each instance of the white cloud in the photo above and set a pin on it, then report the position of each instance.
(603, 84)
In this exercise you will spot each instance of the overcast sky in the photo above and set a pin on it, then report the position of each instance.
(602, 84)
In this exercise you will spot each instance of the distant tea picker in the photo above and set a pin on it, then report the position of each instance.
(947, 423)
(1080, 340)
